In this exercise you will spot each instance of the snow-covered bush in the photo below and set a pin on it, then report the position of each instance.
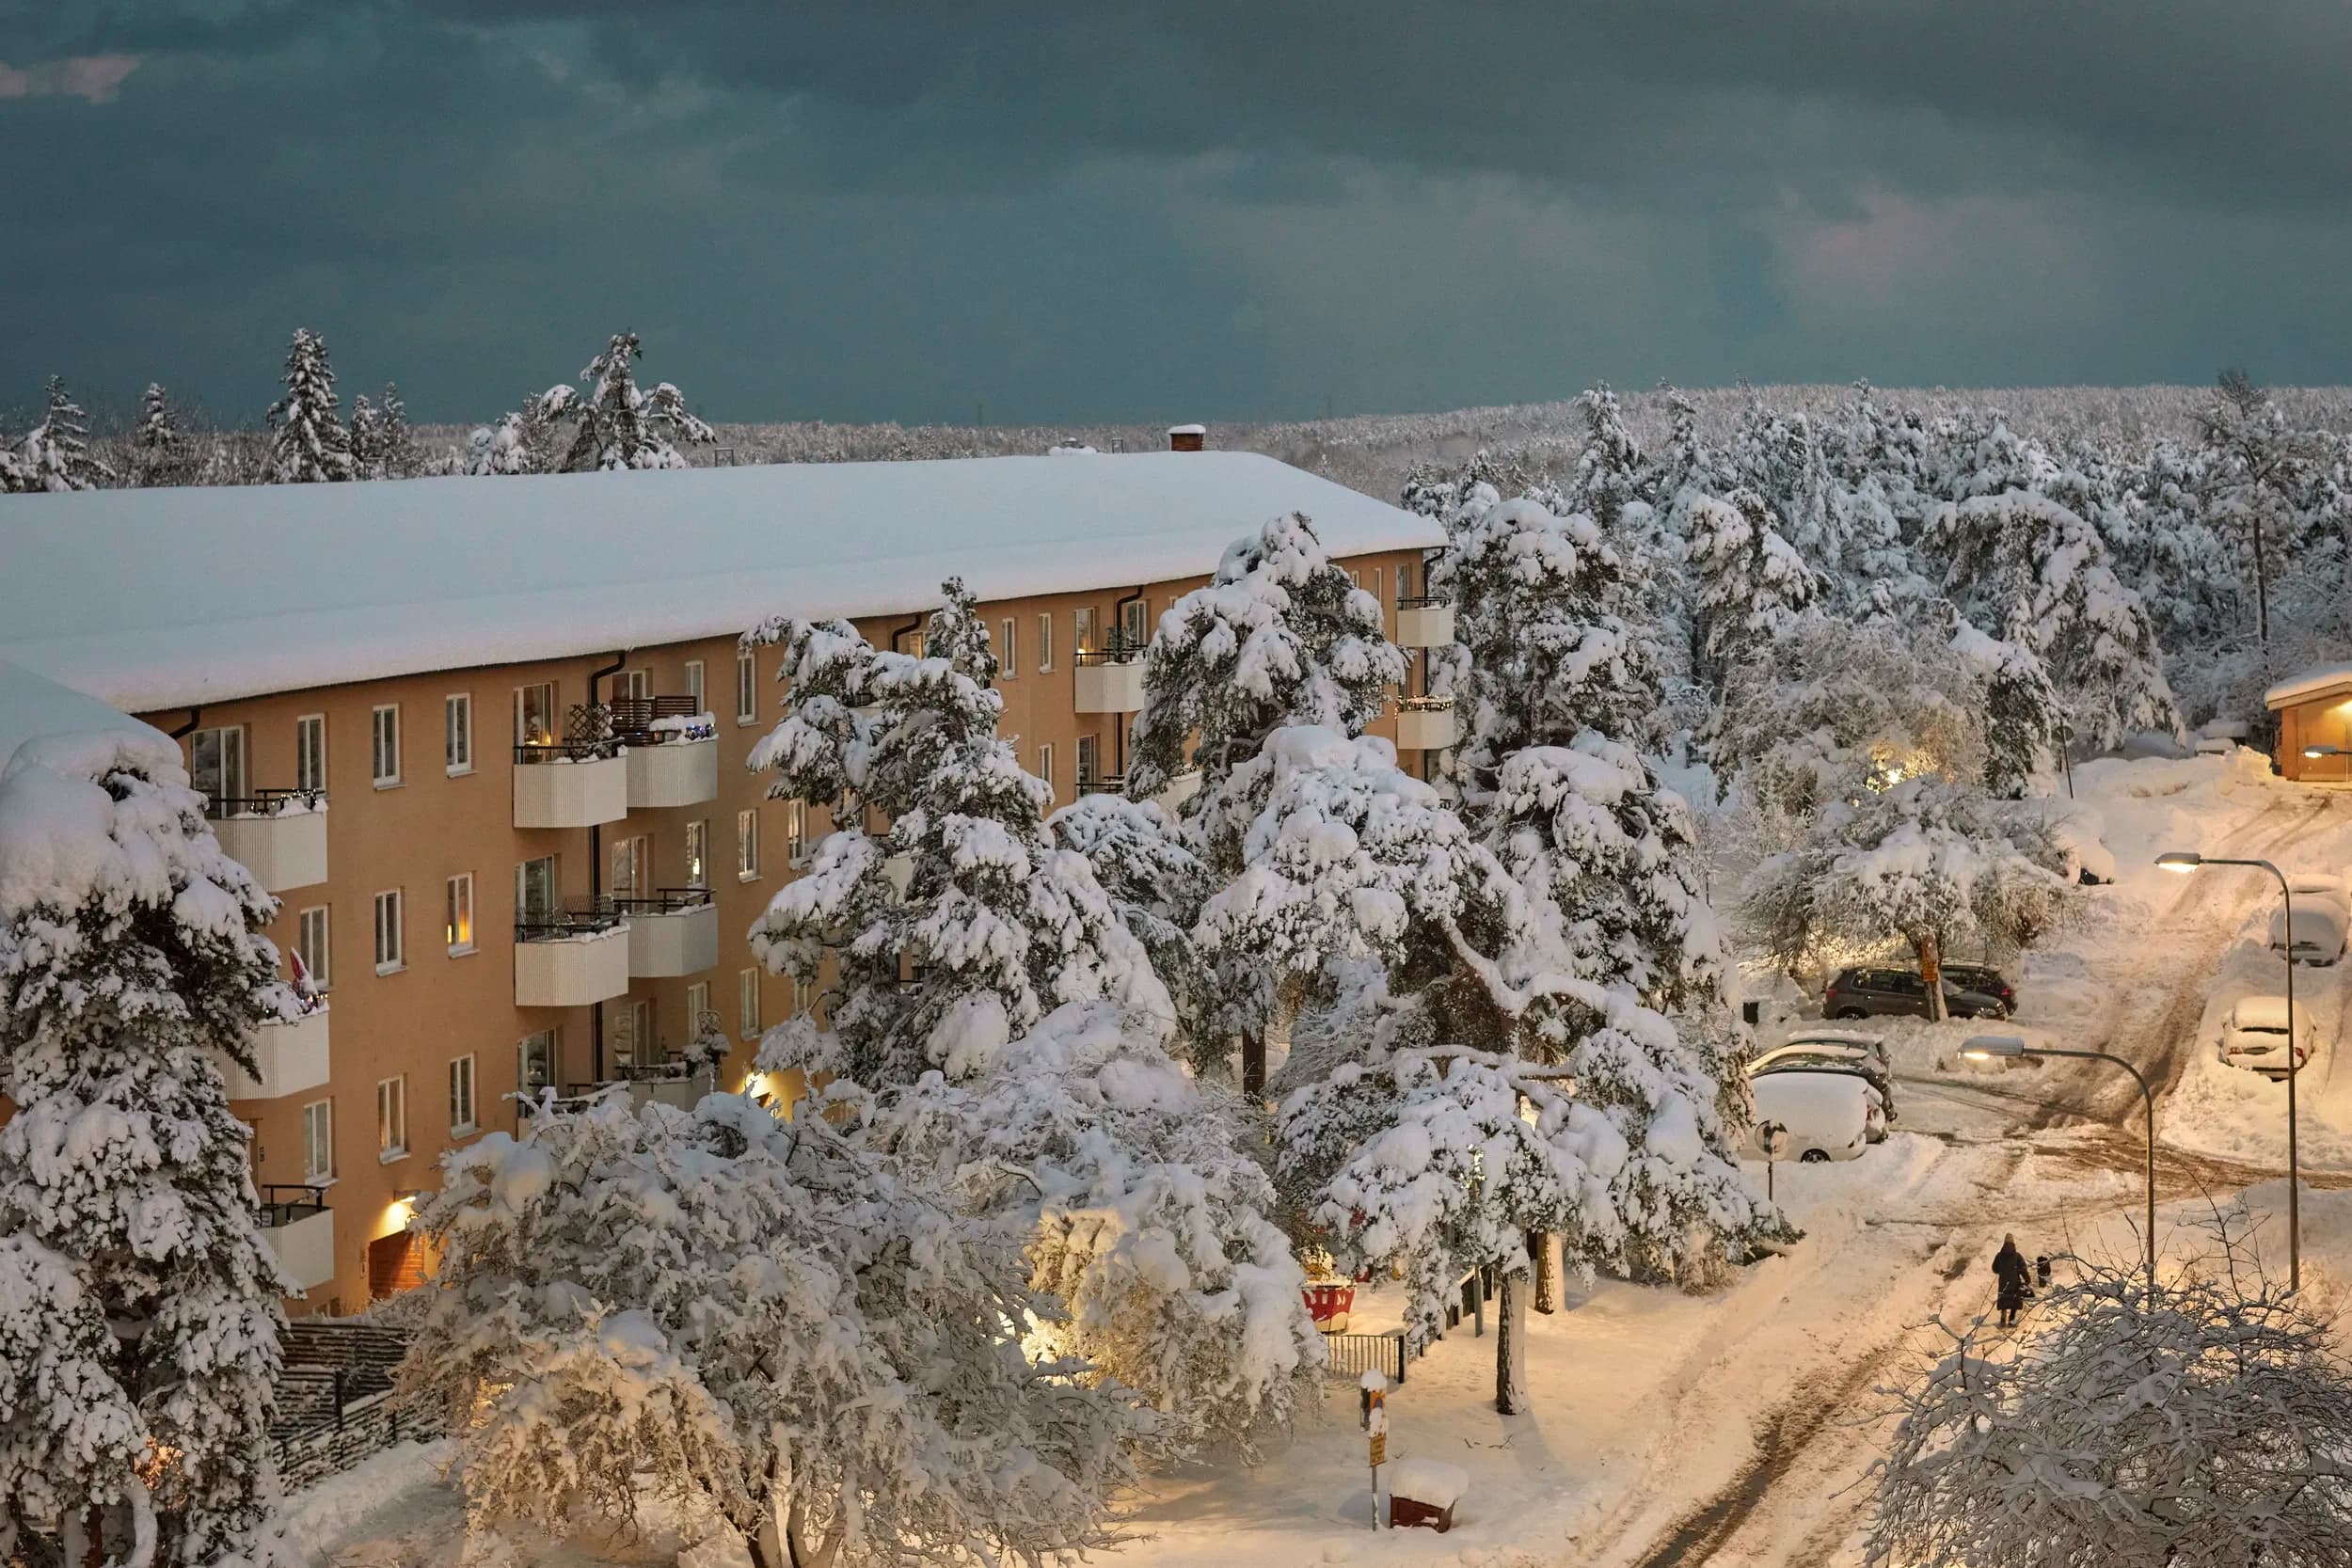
(732, 1312)
(139, 1309)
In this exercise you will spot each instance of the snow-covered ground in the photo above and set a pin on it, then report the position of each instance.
(1737, 1428)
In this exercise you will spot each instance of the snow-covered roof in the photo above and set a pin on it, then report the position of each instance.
(33, 705)
(159, 598)
(2311, 683)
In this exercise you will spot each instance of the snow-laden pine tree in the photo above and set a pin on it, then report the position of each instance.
(2255, 468)
(135, 1412)
(2025, 565)
(1753, 585)
(956, 923)
(1150, 1225)
(1157, 885)
(311, 445)
(159, 449)
(382, 445)
(2025, 723)
(617, 423)
(1612, 475)
(1777, 454)
(367, 440)
(721, 1309)
(56, 455)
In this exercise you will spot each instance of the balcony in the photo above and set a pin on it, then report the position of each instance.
(292, 1057)
(676, 1082)
(1182, 787)
(278, 835)
(564, 783)
(1424, 725)
(300, 1230)
(673, 931)
(570, 958)
(672, 751)
(1424, 622)
(1110, 680)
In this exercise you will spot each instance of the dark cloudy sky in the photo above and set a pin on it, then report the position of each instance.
(904, 209)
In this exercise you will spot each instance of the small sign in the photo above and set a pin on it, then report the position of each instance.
(1773, 1137)
(1380, 1450)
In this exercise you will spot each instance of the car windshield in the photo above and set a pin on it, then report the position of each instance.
(2261, 1029)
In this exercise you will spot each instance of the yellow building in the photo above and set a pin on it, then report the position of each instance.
(2314, 714)
(374, 683)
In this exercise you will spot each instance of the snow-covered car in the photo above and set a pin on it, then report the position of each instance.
(2254, 1036)
(2319, 929)
(1827, 1115)
(2079, 839)
(1845, 1050)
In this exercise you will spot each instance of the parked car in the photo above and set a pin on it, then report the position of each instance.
(2254, 1036)
(1984, 978)
(1846, 1051)
(2319, 929)
(1827, 1115)
(1861, 993)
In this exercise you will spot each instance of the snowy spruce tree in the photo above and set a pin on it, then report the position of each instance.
(160, 450)
(311, 445)
(56, 455)
(1752, 584)
(729, 1313)
(616, 424)
(139, 1312)
(381, 444)
(1157, 885)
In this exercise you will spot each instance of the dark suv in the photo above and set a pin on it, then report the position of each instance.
(1860, 992)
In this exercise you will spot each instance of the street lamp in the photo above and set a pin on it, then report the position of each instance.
(1988, 1048)
(2188, 859)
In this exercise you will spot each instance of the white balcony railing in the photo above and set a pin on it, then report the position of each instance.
(1424, 622)
(1110, 680)
(671, 932)
(570, 960)
(1424, 725)
(673, 773)
(1182, 787)
(292, 1057)
(563, 786)
(300, 1230)
(278, 835)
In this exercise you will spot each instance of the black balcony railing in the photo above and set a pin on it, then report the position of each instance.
(1117, 651)
(1104, 784)
(265, 802)
(585, 918)
(634, 719)
(566, 750)
(1423, 601)
(283, 1204)
(662, 900)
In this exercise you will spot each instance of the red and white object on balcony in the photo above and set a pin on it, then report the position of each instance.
(1329, 1303)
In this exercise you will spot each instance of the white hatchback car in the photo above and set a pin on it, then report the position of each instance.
(2254, 1035)
(1827, 1116)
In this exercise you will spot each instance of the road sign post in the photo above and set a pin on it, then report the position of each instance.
(1774, 1139)
(1376, 1424)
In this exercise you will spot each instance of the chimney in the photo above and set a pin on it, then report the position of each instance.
(1188, 438)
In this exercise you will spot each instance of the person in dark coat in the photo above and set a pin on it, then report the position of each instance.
(2010, 1268)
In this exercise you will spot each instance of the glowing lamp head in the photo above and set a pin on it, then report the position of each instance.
(1987, 1047)
(2322, 751)
(2179, 860)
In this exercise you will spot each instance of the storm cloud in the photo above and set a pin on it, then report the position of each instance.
(916, 211)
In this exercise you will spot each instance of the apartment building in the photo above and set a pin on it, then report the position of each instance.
(485, 739)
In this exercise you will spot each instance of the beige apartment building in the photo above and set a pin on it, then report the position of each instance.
(378, 685)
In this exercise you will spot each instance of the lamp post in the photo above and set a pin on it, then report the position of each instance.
(2188, 859)
(1986, 1048)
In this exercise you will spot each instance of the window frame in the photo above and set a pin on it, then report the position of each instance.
(391, 1118)
(458, 733)
(746, 688)
(1138, 611)
(458, 891)
(698, 853)
(698, 1004)
(310, 751)
(320, 962)
(747, 1003)
(232, 758)
(747, 844)
(1089, 758)
(318, 1137)
(384, 737)
(553, 1039)
(796, 832)
(522, 710)
(1046, 769)
(1082, 628)
(463, 1071)
(1008, 655)
(398, 949)
(1046, 644)
(696, 684)
(524, 909)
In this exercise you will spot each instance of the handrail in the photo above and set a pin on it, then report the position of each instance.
(567, 751)
(1423, 601)
(264, 802)
(275, 1211)
(1117, 651)
(1426, 705)
(662, 901)
(550, 925)
(1104, 784)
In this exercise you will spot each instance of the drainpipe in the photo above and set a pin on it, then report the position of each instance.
(1118, 732)
(195, 717)
(596, 875)
(913, 625)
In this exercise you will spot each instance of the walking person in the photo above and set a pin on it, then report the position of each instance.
(2010, 1268)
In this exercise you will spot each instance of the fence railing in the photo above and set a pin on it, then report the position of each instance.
(1424, 704)
(1423, 601)
(566, 751)
(265, 802)
(662, 900)
(282, 1203)
(555, 924)
(1117, 651)
(1104, 784)
(1354, 1354)
(335, 1403)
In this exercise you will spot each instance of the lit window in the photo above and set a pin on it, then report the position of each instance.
(461, 913)
(391, 1118)
(386, 753)
(535, 714)
(1082, 624)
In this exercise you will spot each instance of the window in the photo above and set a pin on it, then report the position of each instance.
(746, 688)
(310, 751)
(389, 950)
(698, 854)
(694, 682)
(747, 1002)
(461, 913)
(311, 945)
(534, 1061)
(1046, 768)
(535, 714)
(1131, 615)
(698, 1008)
(461, 1116)
(391, 1118)
(632, 858)
(318, 1141)
(1381, 606)
(534, 889)
(384, 764)
(457, 732)
(1044, 643)
(1089, 749)
(216, 764)
(632, 1034)
(796, 831)
(1082, 626)
(1008, 648)
(746, 844)
(637, 684)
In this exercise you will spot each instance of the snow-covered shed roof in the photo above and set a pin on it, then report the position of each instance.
(159, 598)
(33, 705)
(2311, 683)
